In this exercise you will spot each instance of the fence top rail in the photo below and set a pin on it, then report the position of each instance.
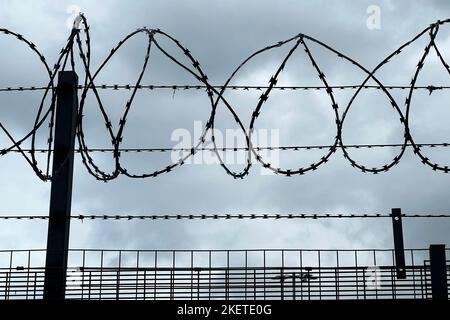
(206, 268)
(220, 250)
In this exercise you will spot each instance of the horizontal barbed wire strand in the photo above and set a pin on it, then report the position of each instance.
(222, 216)
(429, 88)
(288, 147)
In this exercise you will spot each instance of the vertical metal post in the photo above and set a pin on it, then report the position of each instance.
(398, 243)
(61, 189)
(438, 272)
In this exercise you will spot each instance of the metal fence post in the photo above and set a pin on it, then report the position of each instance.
(439, 288)
(61, 189)
(398, 243)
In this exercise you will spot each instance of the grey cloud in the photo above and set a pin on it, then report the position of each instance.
(220, 35)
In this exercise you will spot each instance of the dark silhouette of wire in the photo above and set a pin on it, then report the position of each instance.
(79, 42)
(182, 87)
(223, 216)
(258, 148)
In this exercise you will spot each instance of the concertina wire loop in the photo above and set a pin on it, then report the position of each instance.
(215, 94)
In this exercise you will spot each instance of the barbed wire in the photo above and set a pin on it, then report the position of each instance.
(429, 88)
(258, 148)
(222, 216)
(79, 42)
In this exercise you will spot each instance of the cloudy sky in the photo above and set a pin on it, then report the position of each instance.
(220, 35)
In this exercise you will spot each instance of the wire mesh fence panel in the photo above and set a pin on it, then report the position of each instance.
(288, 274)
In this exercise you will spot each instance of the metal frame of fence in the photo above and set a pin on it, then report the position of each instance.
(288, 274)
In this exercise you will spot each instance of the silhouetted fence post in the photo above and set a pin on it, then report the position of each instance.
(61, 189)
(439, 289)
(398, 243)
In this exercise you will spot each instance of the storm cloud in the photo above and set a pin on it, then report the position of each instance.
(220, 35)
